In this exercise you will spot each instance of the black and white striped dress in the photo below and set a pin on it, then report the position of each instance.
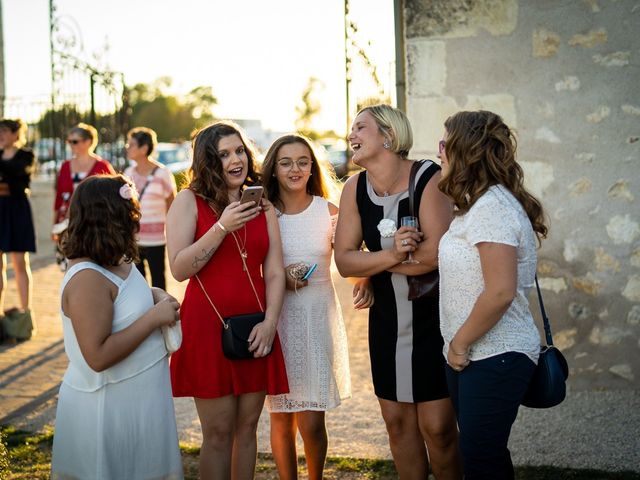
(405, 344)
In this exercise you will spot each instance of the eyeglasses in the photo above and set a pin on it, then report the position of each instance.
(441, 145)
(73, 141)
(303, 164)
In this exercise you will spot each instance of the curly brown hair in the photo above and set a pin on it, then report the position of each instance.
(320, 183)
(205, 176)
(481, 152)
(102, 223)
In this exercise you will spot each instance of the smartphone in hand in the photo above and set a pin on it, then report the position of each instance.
(250, 194)
(310, 272)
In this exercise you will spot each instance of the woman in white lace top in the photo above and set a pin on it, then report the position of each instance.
(487, 265)
(311, 329)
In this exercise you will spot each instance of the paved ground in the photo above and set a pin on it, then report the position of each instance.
(591, 429)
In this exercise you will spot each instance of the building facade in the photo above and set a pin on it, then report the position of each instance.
(565, 74)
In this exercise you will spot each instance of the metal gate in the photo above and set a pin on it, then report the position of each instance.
(80, 92)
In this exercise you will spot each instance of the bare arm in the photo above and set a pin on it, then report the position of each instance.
(88, 301)
(187, 257)
(500, 271)
(436, 213)
(172, 194)
(262, 336)
(350, 260)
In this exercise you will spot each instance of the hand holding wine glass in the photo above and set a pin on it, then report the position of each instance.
(412, 222)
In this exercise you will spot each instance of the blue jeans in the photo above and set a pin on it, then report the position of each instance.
(486, 396)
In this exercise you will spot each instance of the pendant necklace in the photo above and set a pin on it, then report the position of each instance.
(242, 247)
(386, 193)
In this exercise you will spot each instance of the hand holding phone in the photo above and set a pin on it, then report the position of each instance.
(250, 194)
(312, 269)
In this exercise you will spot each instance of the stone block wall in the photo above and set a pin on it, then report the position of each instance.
(565, 74)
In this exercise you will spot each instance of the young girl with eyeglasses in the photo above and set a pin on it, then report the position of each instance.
(115, 417)
(311, 328)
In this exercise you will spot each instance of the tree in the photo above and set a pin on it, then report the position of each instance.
(173, 118)
(309, 108)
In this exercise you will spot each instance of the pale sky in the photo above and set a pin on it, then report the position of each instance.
(257, 55)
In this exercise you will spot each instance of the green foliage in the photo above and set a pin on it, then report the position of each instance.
(29, 454)
(173, 118)
(29, 457)
(56, 123)
(4, 456)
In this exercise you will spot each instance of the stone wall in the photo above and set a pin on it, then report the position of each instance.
(565, 75)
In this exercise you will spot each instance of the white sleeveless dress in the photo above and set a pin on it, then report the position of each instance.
(118, 423)
(311, 328)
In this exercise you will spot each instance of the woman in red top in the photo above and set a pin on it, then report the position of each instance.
(232, 254)
(83, 163)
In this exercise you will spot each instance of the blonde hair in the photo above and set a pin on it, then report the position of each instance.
(394, 125)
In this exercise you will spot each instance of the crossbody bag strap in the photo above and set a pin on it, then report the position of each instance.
(149, 180)
(545, 319)
(225, 325)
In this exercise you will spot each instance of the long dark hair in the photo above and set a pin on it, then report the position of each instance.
(103, 222)
(320, 182)
(481, 152)
(205, 177)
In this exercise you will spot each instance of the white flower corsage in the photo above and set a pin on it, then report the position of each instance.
(128, 191)
(387, 228)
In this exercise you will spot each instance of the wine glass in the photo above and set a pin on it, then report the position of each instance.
(409, 222)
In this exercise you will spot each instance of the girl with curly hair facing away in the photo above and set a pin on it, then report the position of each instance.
(232, 255)
(115, 417)
(487, 266)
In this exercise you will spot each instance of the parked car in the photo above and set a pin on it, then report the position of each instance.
(339, 160)
(337, 155)
(175, 156)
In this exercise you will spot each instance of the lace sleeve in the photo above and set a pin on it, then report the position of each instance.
(334, 223)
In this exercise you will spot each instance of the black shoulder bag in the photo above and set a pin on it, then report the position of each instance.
(236, 329)
(427, 284)
(548, 384)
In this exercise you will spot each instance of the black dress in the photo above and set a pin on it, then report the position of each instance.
(17, 233)
(405, 344)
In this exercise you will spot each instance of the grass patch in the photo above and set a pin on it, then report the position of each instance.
(27, 456)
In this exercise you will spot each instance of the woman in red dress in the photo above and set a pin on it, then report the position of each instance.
(223, 247)
(82, 139)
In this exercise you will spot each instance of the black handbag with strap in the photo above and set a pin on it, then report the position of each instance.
(237, 328)
(548, 384)
(427, 284)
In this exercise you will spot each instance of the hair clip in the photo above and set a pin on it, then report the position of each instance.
(127, 191)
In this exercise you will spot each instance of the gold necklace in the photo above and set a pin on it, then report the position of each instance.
(242, 248)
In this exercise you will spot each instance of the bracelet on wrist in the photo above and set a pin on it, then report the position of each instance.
(222, 227)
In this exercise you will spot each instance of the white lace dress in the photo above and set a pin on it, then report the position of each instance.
(311, 328)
